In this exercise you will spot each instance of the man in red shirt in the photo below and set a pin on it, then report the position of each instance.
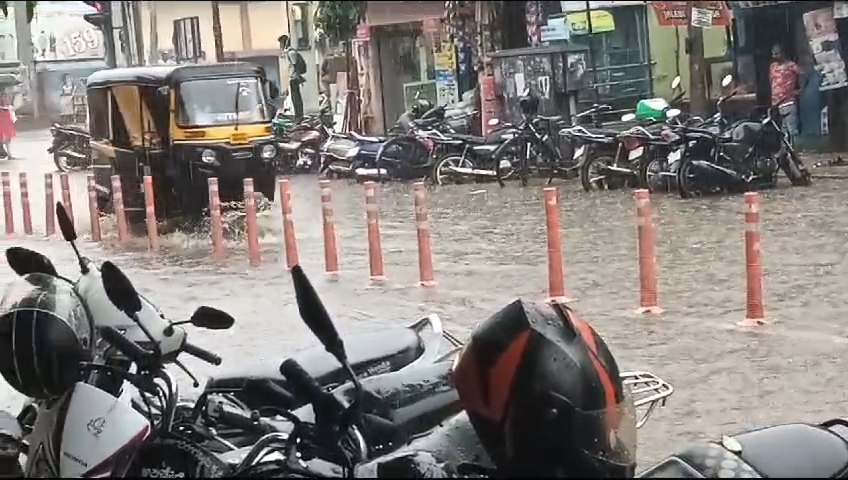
(784, 76)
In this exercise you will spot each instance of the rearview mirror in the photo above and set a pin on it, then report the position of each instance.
(672, 112)
(212, 318)
(727, 80)
(675, 83)
(315, 316)
(492, 122)
(628, 117)
(119, 289)
(66, 225)
(24, 261)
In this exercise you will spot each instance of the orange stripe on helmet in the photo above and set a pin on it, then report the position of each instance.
(587, 333)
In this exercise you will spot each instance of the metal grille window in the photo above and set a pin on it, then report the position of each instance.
(621, 56)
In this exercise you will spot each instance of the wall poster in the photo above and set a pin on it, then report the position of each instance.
(822, 35)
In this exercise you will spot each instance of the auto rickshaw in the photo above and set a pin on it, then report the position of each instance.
(182, 124)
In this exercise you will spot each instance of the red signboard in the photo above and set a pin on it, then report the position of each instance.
(676, 14)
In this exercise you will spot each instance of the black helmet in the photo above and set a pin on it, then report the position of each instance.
(545, 396)
(420, 107)
(45, 333)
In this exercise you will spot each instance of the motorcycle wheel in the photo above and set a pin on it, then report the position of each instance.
(686, 182)
(61, 161)
(650, 178)
(437, 175)
(508, 149)
(795, 171)
(591, 183)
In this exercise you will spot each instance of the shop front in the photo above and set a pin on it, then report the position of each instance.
(813, 35)
(409, 58)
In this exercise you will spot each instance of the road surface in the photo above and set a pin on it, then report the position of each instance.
(489, 248)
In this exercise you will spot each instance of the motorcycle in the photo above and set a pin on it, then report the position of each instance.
(99, 435)
(747, 157)
(70, 148)
(356, 429)
(260, 386)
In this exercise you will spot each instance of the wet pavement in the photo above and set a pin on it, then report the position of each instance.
(489, 248)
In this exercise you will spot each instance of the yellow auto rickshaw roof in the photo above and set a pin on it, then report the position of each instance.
(161, 75)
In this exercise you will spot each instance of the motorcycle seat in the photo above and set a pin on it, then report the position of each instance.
(367, 139)
(554, 118)
(783, 451)
(375, 352)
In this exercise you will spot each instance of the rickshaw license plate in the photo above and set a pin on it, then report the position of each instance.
(579, 152)
(238, 138)
(636, 153)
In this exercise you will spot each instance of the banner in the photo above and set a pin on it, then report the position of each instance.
(824, 43)
(676, 14)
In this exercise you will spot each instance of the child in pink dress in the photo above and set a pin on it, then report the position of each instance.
(7, 126)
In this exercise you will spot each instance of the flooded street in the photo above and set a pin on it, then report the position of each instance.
(489, 248)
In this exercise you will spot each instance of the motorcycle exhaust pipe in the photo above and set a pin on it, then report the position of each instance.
(471, 171)
(718, 168)
(623, 170)
(371, 172)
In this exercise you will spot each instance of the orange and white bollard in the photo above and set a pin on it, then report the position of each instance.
(422, 226)
(65, 182)
(8, 214)
(93, 210)
(49, 207)
(118, 206)
(375, 247)
(556, 276)
(150, 214)
(289, 239)
(331, 253)
(647, 233)
(755, 311)
(218, 251)
(252, 228)
(27, 213)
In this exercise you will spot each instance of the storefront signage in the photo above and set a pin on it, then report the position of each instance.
(363, 33)
(822, 35)
(676, 14)
(602, 21)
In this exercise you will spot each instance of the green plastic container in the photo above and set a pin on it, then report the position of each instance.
(651, 109)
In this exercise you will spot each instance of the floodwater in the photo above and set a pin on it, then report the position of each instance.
(489, 248)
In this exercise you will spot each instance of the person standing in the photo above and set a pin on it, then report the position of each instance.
(785, 80)
(8, 131)
(297, 70)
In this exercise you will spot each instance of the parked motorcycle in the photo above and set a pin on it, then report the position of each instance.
(260, 385)
(352, 431)
(748, 156)
(98, 434)
(70, 148)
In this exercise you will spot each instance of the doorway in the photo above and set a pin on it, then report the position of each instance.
(406, 65)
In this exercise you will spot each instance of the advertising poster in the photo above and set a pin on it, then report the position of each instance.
(823, 38)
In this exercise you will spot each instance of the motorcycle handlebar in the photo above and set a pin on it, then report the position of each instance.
(126, 346)
(202, 354)
(302, 382)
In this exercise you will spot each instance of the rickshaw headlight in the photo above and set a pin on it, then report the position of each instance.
(268, 152)
(208, 156)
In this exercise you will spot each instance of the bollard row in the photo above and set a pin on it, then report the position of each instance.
(557, 292)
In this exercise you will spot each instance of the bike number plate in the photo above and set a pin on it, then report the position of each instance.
(675, 155)
(579, 152)
(505, 164)
(636, 153)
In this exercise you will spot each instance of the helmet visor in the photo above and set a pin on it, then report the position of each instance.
(609, 434)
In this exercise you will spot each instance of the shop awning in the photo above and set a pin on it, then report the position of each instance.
(741, 5)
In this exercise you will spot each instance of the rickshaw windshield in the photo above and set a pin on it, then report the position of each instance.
(212, 102)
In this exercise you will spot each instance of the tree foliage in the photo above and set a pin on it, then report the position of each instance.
(338, 20)
(30, 8)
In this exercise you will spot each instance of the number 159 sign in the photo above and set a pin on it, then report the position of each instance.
(85, 42)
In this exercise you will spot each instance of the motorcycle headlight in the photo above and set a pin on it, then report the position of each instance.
(208, 156)
(352, 152)
(268, 152)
